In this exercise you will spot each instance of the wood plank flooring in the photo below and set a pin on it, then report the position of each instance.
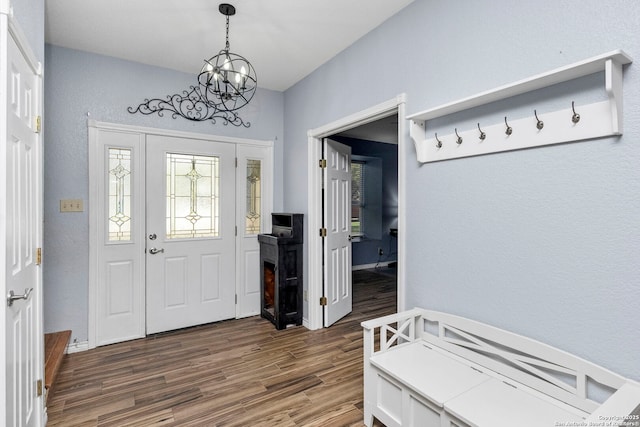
(233, 373)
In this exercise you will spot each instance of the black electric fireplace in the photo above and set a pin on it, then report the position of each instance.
(281, 270)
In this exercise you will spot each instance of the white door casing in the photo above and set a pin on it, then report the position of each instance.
(110, 322)
(314, 269)
(20, 229)
(190, 272)
(254, 195)
(337, 244)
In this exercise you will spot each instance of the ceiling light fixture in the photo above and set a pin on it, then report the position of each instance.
(226, 83)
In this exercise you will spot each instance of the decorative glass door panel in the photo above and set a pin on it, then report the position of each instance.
(193, 196)
(119, 205)
(253, 215)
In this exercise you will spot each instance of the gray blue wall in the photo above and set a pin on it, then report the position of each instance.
(543, 242)
(79, 86)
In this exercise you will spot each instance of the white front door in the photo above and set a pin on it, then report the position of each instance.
(254, 216)
(337, 221)
(20, 198)
(190, 232)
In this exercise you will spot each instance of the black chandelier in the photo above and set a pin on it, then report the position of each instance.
(226, 83)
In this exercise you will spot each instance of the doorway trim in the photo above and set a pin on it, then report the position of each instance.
(94, 157)
(387, 108)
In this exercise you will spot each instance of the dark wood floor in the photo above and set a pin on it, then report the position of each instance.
(233, 373)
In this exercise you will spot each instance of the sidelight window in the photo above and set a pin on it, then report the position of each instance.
(253, 214)
(119, 198)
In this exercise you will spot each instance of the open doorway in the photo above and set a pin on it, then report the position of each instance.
(358, 130)
(374, 190)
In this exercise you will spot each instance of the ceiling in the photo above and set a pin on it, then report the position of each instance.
(381, 130)
(285, 40)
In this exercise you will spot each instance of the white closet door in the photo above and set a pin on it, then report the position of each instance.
(20, 235)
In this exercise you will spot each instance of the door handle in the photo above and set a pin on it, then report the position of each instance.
(11, 296)
(154, 251)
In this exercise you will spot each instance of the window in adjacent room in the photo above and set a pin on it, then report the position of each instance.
(357, 197)
(366, 197)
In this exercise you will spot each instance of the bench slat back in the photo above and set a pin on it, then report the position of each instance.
(544, 368)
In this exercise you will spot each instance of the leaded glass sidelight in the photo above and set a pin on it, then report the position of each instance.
(254, 197)
(193, 196)
(119, 198)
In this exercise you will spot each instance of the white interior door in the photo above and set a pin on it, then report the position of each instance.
(337, 221)
(190, 232)
(253, 210)
(20, 198)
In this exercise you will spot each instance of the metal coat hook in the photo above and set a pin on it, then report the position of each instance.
(459, 140)
(576, 117)
(540, 123)
(509, 129)
(482, 134)
(439, 144)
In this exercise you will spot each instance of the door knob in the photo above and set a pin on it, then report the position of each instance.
(154, 251)
(11, 296)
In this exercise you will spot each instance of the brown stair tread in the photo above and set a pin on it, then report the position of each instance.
(55, 345)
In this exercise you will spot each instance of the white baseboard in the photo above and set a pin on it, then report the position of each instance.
(370, 266)
(76, 347)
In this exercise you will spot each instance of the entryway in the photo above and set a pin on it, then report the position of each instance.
(174, 229)
(319, 280)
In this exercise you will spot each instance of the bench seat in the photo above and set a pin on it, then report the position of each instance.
(438, 377)
(433, 369)
(497, 404)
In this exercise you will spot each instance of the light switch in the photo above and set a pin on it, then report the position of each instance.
(71, 205)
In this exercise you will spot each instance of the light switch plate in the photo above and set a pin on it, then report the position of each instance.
(71, 205)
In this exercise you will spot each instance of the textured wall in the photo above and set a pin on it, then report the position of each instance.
(544, 242)
(79, 86)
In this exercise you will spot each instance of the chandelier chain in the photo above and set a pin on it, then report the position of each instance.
(227, 44)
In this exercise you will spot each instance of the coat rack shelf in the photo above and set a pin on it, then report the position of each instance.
(579, 122)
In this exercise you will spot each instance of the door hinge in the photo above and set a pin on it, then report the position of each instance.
(323, 163)
(38, 256)
(39, 388)
(236, 230)
(236, 299)
(323, 300)
(323, 232)
(37, 123)
(236, 162)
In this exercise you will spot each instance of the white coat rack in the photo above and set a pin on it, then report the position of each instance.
(576, 123)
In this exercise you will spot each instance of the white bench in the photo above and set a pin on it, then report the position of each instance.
(429, 368)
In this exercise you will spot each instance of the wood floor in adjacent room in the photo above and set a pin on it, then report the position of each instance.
(233, 373)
